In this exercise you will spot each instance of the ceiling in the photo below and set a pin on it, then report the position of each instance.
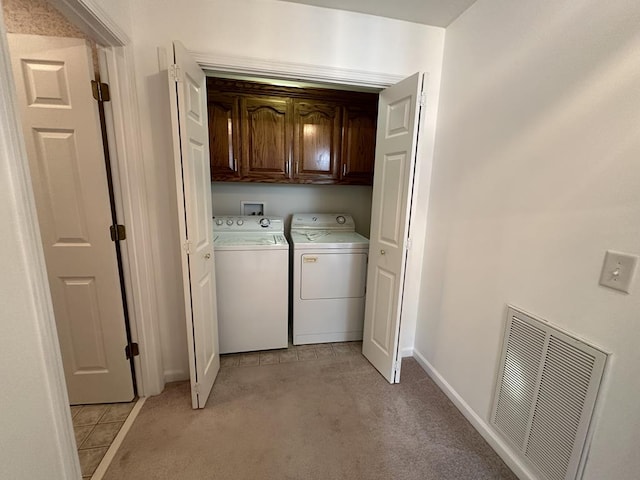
(439, 13)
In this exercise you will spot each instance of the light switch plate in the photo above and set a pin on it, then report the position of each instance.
(618, 270)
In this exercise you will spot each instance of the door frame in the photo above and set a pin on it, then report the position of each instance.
(215, 62)
(115, 53)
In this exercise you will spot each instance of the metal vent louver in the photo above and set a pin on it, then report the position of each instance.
(545, 394)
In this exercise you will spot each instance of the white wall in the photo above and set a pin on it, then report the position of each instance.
(261, 29)
(536, 175)
(285, 200)
(36, 436)
(117, 11)
(27, 424)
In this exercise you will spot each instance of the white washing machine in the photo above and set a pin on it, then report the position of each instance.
(252, 282)
(329, 278)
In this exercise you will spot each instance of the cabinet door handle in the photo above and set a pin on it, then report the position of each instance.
(344, 169)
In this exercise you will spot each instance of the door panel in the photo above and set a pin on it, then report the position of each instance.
(81, 298)
(396, 143)
(199, 234)
(64, 144)
(384, 291)
(62, 194)
(391, 202)
(209, 341)
(193, 179)
(399, 117)
(46, 83)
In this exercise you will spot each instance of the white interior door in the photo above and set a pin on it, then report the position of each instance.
(193, 179)
(396, 142)
(64, 144)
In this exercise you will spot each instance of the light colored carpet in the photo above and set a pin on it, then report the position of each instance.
(333, 418)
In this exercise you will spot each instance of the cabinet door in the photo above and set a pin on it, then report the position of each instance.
(316, 141)
(358, 144)
(266, 138)
(224, 142)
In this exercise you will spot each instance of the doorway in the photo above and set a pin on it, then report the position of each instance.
(74, 199)
(401, 106)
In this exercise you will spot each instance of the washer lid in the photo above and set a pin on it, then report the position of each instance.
(258, 240)
(323, 221)
(317, 240)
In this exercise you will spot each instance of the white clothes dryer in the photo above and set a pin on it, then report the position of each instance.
(329, 278)
(252, 282)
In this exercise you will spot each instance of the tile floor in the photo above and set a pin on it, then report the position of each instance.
(294, 353)
(95, 427)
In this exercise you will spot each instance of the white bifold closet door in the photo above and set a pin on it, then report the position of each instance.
(396, 144)
(187, 84)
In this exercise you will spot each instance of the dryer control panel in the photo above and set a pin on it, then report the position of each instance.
(323, 221)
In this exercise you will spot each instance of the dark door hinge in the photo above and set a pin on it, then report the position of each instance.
(131, 350)
(118, 232)
(100, 91)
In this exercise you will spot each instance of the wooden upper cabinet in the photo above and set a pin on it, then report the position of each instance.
(224, 133)
(358, 144)
(266, 138)
(316, 141)
(261, 132)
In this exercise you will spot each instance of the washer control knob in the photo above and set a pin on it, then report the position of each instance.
(219, 221)
(265, 222)
(229, 222)
(240, 221)
(341, 220)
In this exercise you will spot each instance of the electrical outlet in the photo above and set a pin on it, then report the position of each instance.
(618, 270)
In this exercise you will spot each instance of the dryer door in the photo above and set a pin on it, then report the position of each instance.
(333, 275)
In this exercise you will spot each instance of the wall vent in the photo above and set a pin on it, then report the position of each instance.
(546, 391)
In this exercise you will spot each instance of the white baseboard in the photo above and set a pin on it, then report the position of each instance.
(406, 352)
(175, 376)
(500, 447)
